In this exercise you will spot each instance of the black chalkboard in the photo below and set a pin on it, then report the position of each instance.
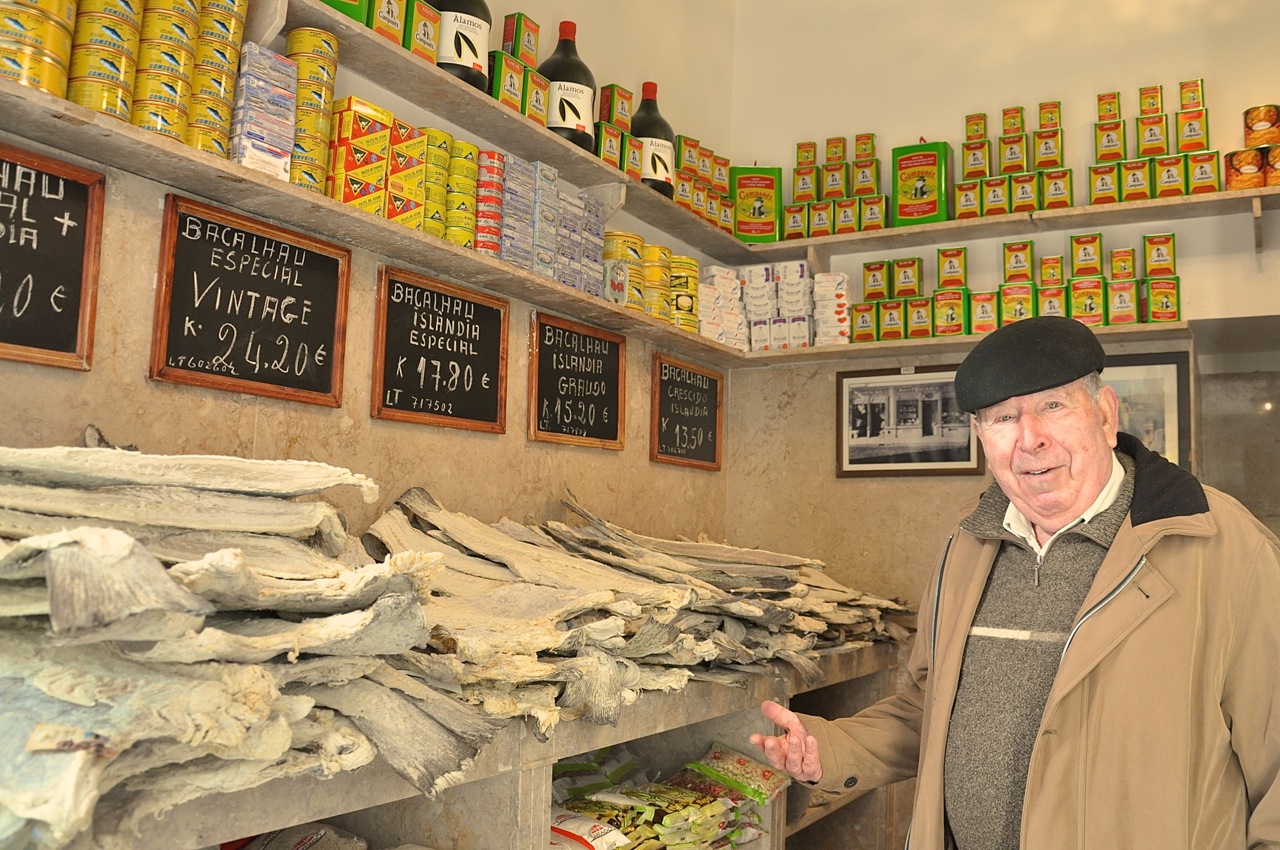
(685, 414)
(249, 307)
(440, 355)
(50, 229)
(577, 382)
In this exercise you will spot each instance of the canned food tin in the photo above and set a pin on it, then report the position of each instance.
(165, 57)
(460, 236)
(1245, 168)
(488, 218)
(459, 185)
(62, 11)
(493, 159)
(459, 149)
(165, 25)
(103, 63)
(221, 26)
(1271, 168)
(437, 158)
(432, 227)
(685, 265)
(315, 69)
(159, 117)
(311, 150)
(460, 201)
(212, 83)
(435, 175)
(490, 174)
(1262, 125)
(460, 218)
(100, 96)
(217, 54)
(489, 187)
(489, 202)
(234, 8)
(622, 245)
(437, 138)
(657, 273)
(432, 211)
(187, 8)
(129, 11)
(462, 167)
(313, 122)
(30, 27)
(207, 140)
(308, 177)
(95, 29)
(33, 68)
(653, 253)
(434, 193)
(635, 288)
(488, 231)
(209, 112)
(314, 95)
(162, 88)
(316, 42)
(488, 247)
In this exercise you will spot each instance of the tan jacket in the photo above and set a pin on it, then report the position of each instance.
(1162, 729)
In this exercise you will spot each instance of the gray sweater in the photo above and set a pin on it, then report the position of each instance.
(1010, 660)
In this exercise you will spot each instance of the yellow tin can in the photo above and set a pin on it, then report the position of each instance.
(235, 8)
(311, 150)
(459, 236)
(459, 201)
(187, 8)
(159, 117)
(207, 140)
(166, 57)
(467, 169)
(460, 219)
(315, 69)
(221, 26)
(103, 63)
(62, 11)
(311, 40)
(97, 29)
(434, 175)
(31, 27)
(129, 11)
(212, 83)
(107, 98)
(313, 122)
(434, 193)
(654, 253)
(33, 68)
(162, 88)
(432, 227)
(209, 112)
(307, 176)
(459, 185)
(164, 25)
(459, 149)
(437, 158)
(618, 244)
(313, 95)
(437, 138)
(217, 54)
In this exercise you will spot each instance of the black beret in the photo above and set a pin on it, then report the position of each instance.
(1026, 357)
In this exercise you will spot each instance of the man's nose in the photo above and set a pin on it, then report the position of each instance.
(1031, 433)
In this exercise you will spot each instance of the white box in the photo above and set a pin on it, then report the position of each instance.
(791, 270)
(756, 274)
(760, 335)
(798, 332)
(779, 335)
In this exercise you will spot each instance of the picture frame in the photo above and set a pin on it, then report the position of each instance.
(1154, 390)
(903, 421)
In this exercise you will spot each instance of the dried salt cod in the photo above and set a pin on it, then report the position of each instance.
(187, 508)
(224, 579)
(96, 467)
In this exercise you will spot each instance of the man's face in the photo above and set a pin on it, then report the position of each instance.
(1050, 452)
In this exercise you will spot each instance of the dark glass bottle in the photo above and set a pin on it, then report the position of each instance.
(571, 101)
(464, 40)
(659, 140)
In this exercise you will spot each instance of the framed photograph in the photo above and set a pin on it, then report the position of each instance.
(1155, 400)
(903, 422)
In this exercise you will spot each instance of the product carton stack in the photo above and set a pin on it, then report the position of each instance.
(591, 256)
(517, 206)
(546, 219)
(568, 262)
(831, 316)
(759, 303)
(795, 305)
(720, 311)
(262, 118)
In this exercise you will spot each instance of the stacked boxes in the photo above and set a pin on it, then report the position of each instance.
(831, 318)
(592, 256)
(421, 30)
(262, 119)
(1024, 173)
(358, 154)
(406, 169)
(795, 305)
(829, 197)
(517, 212)
(701, 181)
(546, 219)
(315, 52)
(720, 314)
(569, 242)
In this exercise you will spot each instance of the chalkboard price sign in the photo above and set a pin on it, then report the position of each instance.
(686, 421)
(577, 390)
(245, 306)
(440, 355)
(50, 228)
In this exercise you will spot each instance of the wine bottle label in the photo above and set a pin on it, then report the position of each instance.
(659, 155)
(464, 40)
(571, 105)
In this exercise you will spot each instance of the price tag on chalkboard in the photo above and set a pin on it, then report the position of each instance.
(245, 306)
(577, 383)
(50, 228)
(686, 424)
(440, 357)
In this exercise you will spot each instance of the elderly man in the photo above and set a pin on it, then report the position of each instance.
(1097, 663)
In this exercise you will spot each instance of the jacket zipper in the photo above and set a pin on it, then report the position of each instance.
(1101, 602)
(933, 638)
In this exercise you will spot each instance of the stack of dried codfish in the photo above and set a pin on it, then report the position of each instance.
(178, 626)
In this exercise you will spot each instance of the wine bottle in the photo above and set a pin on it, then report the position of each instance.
(659, 140)
(571, 105)
(464, 40)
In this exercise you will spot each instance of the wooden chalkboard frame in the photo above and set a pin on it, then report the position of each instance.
(379, 410)
(82, 357)
(536, 320)
(655, 408)
(174, 206)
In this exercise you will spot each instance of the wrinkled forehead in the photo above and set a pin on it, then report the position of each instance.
(1072, 390)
